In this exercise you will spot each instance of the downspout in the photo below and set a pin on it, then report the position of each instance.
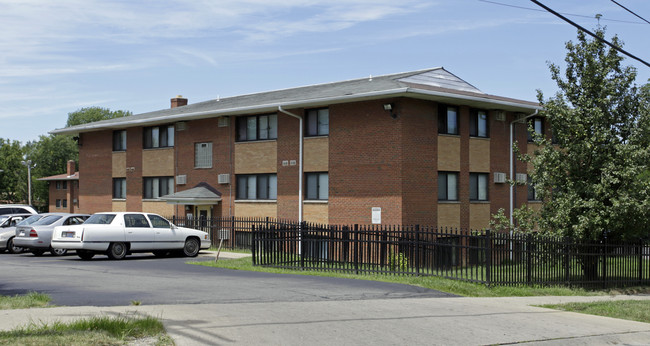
(299, 161)
(512, 167)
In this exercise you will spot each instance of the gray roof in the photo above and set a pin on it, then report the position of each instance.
(434, 84)
(202, 193)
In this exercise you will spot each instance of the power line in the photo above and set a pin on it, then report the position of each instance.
(568, 14)
(625, 8)
(590, 33)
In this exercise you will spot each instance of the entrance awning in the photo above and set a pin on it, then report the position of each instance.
(201, 194)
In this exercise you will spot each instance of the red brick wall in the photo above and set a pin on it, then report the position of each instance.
(95, 167)
(133, 176)
(499, 194)
(288, 176)
(365, 164)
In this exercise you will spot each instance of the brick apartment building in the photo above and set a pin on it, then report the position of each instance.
(422, 147)
(64, 190)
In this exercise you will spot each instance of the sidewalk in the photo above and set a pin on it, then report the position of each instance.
(426, 321)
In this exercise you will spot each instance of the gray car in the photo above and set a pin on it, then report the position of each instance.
(8, 224)
(37, 237)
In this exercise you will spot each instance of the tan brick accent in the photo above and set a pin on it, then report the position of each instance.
(119, 164)
(316, 212)
(449, 215)
(158, 162)
(479, 216)
(256, 157)
(161, 208)
(479, 155)
(449, 153)
(119, 206)
(316, 154)
(252, 209)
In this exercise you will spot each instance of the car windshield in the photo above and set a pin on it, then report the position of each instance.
(3, 218)
(47, 220)
(100, 219)
(30, 220)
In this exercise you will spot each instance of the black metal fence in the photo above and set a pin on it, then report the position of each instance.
(482, 257)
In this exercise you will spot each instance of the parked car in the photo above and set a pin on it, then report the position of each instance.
(16, 209)
(37, 237)
(8, 224)
(120, 233)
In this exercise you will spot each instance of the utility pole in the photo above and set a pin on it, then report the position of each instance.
(28, 163)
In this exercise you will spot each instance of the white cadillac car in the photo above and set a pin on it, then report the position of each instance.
(120, 233)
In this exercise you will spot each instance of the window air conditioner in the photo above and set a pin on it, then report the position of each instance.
(499, 178)
(224, 178)
(181, 179)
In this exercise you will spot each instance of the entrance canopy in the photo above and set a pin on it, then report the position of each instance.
(201, 194)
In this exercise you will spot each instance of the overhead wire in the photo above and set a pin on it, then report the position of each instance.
(625, 8)
(590, 33)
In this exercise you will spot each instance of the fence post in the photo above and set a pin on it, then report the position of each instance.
(233, 232)
(640, 262)
(567, 260)
(356, 249)
(301, 227)
(529, 266)
(253, 248)
(417, 250)
(488, 260)
(604, 250)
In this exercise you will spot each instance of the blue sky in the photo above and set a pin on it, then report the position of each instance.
(59, 56)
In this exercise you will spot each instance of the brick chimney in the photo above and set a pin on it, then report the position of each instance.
(179, 101)
(71, 167)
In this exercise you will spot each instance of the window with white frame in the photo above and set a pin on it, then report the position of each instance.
(257, 186)
(316, 186)
(317, 122)
(119, 140)
(447, 186)
(257, 127)
(158, 137)
(119, 188)
(478, 186)
(478, 123)
(155, 187)
(203, 155)
(448, 120)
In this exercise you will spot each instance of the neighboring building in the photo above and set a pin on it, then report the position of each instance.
(422, 147)
(64, 190)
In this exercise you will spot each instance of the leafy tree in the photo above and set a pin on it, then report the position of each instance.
(592, 179)
(92, 114)
(13, 185)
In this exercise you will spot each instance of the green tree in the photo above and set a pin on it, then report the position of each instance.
(593, 179)
(13, 178)
(92, 114)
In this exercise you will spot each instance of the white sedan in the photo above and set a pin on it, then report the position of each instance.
(120, 233)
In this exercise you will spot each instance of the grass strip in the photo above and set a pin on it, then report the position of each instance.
(96, 330)
(457, 287)
(633, 310)
(29, 300)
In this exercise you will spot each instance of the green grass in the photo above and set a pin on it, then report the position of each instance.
(445, 285)
(634, 310)
(223, 249)
(29, 300)
(97, 330)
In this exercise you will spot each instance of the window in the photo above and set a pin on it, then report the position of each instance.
(64, 203)
(532, 191)
(119, 140)
(155, 187)
(447, 186)
(257, 186)
(100, 219)
(478, 123)
(318, 122)
(478, 186)
(537, 125)
(135, 220)
(158, 222)
(257, 127)
(58, 185)
(202, 155)
(159, 137)
(64, 185)
(448, 120)
(119, 188)
(58, 203)
(316, 187)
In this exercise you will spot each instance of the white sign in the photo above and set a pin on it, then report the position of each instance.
(376, 215)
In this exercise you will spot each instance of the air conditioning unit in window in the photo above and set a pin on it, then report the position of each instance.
(181, 179)
(181, 126)
(521, 178)
(500, 116)
(223, 178)
(499, 178)
(224, 121)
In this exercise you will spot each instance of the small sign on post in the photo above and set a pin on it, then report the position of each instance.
(376, 215)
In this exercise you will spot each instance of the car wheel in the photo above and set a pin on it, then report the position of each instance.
(38, 252)
(13, 248)
(161, 253)
(85, 255)
(192, 247)
(58, 252)
(117, 251)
